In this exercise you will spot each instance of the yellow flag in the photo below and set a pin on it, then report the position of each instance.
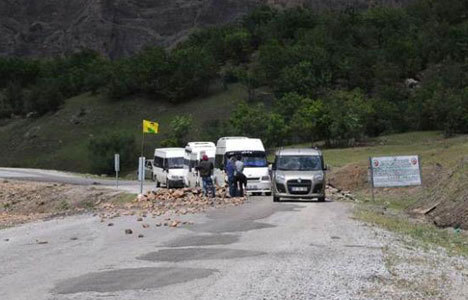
(150, 127)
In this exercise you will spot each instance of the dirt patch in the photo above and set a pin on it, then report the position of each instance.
(441, 200)
(445, 202)
(351, 177)
(22, 201)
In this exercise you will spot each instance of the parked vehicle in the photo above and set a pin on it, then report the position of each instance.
(298, 174)
(252, 153)
(168, 167)
(149, 169)
(192, 157)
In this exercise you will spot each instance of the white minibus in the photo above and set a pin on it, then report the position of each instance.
(252, 153)
(194, 152)
(168, 167)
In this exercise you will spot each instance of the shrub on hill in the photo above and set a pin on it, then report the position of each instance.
(316, 56)
(102, 148)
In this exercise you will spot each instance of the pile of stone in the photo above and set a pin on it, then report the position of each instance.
(338, 194)
(178, 201)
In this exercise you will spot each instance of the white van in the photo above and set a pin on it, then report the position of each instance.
(194, 152)
(253, 156)
(168, 167)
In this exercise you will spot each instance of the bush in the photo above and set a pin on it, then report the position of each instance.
(180, 128)
(101, 151)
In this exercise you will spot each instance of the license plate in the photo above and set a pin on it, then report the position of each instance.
(252, 187)
(299, 189)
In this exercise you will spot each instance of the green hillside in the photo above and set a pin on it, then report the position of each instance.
(340, 77)
(59, 140)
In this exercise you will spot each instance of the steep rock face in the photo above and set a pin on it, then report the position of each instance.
(121, 27)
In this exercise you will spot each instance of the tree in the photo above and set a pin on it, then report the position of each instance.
(289, 104)
(101, 150)
(180, 128)
(192, 70)
(249, 120)
(308, 121)
(237, 46)
(345, 117)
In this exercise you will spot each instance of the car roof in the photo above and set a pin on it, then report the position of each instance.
(200, 145)
(170, 152)
(299, 151)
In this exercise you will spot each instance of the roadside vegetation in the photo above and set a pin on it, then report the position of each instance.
(420, 212)
(337, 76)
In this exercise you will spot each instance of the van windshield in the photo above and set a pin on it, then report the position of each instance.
(299, 163)
(175, 163)
(251, 159)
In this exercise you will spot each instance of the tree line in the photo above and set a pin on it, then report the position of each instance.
(335, 76)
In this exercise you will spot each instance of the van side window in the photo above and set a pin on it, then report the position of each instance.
(158, 162)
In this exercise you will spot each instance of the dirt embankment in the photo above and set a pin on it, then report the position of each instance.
(22, 202)
(442, 199)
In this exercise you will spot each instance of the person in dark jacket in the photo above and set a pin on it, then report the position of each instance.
(205, 168)
(230, 172)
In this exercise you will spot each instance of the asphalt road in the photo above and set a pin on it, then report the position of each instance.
(261, 250)
(39, 175)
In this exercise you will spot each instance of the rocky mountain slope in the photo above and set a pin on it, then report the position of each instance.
(121, 27)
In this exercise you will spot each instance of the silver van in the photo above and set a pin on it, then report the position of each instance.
(298, 174)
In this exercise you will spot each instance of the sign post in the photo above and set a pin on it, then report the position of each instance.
(117, 168)
(141, 172)
(395, 171)
(371, 178)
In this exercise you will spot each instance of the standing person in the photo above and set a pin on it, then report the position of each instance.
(241, 179)
(205, 168)
(230, 172)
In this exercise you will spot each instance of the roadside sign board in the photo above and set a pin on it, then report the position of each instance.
(116, 162)
(395, 171)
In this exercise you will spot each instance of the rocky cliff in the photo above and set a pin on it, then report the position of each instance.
(121, 27)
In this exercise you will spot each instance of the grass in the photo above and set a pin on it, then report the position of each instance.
(123, 198)
(445, 169)
(455, 243)
(54, 141)
(431, 146)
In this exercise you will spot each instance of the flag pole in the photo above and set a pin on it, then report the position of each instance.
(142, 144)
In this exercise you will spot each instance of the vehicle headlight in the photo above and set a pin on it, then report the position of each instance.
(280, 178)
(318, 177)
(266, 178)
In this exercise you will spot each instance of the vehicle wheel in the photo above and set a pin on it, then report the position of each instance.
(168, 186)
(268, 194)
(158, 184)
(321, 199)
(276, 199)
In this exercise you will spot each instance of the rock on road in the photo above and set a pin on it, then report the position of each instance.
(261, 250)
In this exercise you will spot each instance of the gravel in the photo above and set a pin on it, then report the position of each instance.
(307, 251)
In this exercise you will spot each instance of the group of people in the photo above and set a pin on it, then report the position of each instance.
(237, 181)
